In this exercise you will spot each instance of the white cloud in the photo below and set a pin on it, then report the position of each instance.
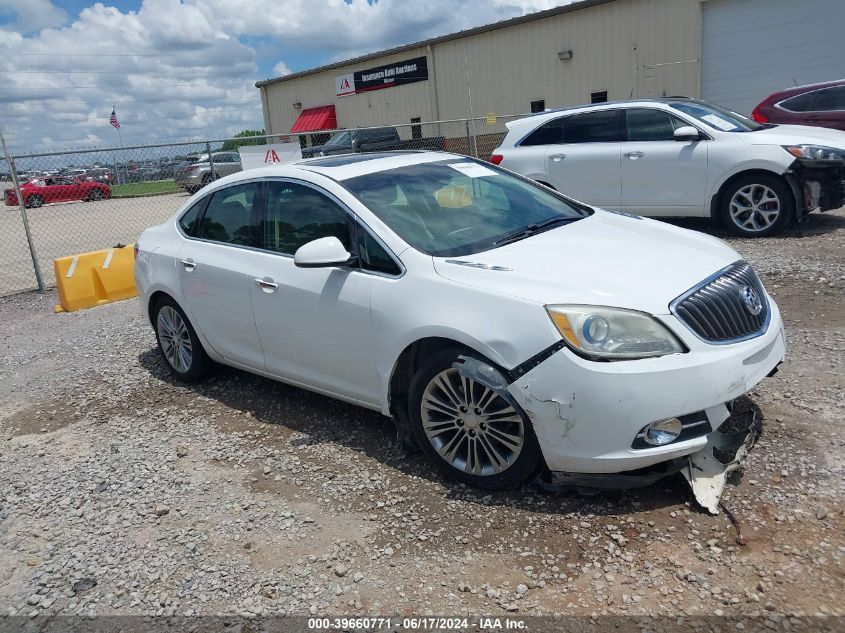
(337, 25)
(281, 69)
(169, 72)
(176, 69)
(32, 15)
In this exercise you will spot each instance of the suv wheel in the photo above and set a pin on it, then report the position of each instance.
(757, 206)
(469, 431)
(178, 342)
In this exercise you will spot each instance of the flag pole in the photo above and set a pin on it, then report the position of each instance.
(120, 137)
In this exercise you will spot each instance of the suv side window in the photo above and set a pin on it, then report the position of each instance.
(593, 127)
(373, 256)
(550, 133)
(799, 103)
(647, 124)
(297, 214)
(829, 99)
(229, 215)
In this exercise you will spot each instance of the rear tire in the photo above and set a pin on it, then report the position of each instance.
(757, 205)
(178, 342)
(466, 430)
(95, 194)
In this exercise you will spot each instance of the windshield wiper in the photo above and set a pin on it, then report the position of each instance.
(533, 229)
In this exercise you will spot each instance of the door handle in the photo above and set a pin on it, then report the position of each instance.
(558, 157)
(188, 264)
(634, 155)
(267, 285)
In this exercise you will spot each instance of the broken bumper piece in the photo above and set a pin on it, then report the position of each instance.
(706, 470)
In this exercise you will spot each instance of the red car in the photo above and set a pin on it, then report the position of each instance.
(822, 105)
(57, 189)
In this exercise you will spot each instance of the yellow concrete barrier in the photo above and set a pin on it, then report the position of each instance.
(92, 279)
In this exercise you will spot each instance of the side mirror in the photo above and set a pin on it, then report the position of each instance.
(322, 253)
(687, 133)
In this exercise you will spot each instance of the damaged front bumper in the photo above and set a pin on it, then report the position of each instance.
(589, 416)
(817, 184)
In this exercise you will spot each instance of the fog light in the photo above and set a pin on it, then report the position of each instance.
(663, 432)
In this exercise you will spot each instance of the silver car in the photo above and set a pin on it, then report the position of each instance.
(197, 173)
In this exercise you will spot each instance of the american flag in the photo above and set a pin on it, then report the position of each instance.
(113, 120)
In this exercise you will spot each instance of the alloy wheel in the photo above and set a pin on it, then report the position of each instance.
(755, 208)
(471, 427)
(175, 339)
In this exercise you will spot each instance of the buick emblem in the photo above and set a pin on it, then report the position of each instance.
(751, 300)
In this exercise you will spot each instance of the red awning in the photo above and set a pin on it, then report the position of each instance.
(313, 119)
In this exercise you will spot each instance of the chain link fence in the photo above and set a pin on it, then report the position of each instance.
(72, 202)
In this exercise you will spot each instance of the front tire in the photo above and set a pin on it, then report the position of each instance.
(34, 201)
(757, 205)
(178, 342)
(468, 431)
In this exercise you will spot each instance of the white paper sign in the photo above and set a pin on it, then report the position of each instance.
(253, 156)
(718, 122)
(473, 170)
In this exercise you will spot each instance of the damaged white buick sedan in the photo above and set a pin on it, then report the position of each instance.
(509, 331)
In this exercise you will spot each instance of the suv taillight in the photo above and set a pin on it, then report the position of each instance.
(191, 168)
(759, 116)
(496, 159)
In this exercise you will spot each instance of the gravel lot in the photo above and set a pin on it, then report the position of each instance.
(122, 492)
(68, 228)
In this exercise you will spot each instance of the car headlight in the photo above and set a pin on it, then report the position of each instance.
(815, 152)
(613, 333)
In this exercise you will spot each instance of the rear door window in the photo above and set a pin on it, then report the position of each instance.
(230, 217)
(592, 127)
(188, 222)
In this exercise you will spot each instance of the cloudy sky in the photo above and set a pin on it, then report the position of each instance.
(186, 69)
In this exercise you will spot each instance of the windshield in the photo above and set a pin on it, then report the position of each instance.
(338, 139)
(717, 117)
(459, 207)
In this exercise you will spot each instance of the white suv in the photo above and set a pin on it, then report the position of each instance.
(679, 157)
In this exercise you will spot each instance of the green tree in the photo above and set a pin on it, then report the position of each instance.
(236, 142)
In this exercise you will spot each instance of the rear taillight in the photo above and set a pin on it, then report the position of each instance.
(445, 144)
(135, 250)
(496, 159)
(191, 168)
(759, 116)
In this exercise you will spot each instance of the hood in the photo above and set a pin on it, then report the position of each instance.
(606, 259)
(796, 135)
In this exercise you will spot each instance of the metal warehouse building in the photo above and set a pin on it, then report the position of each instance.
(732, 52)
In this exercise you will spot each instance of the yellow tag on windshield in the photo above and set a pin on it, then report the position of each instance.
(453, 197)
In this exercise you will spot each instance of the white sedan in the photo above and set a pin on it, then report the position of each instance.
(508, 330)
(679, 157)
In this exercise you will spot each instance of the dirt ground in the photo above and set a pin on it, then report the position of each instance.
(122, 492)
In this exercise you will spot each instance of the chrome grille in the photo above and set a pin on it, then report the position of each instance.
(721, 309)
